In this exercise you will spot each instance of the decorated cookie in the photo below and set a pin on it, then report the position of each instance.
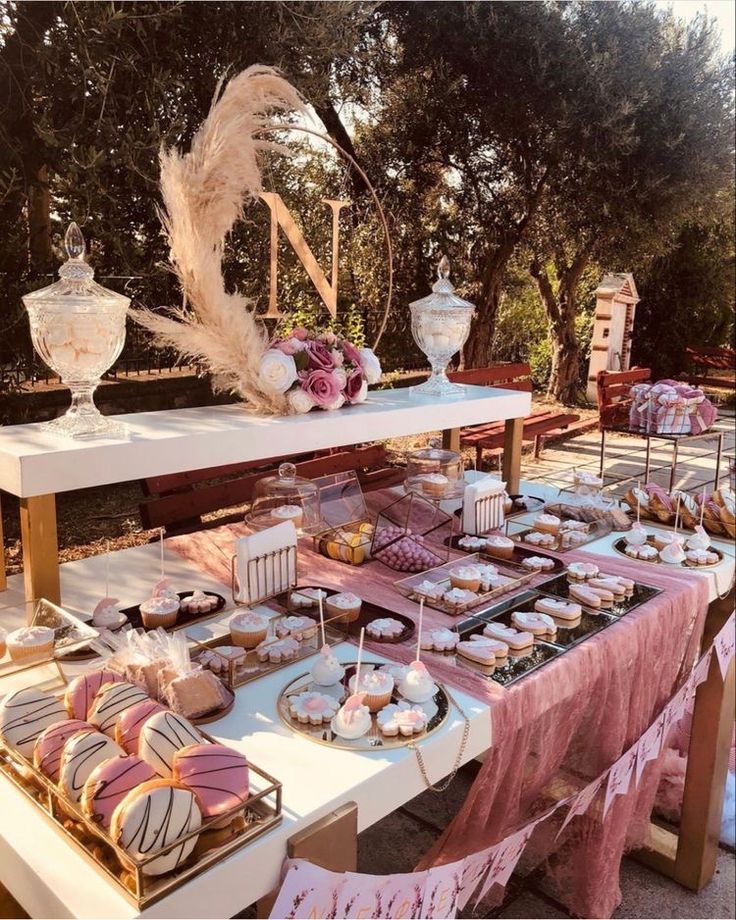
(220, 659)
(298, 628)
(81, 692)
(278, 650)
(401, 719)
(617, 588)
(50, 744)
(539, 624)
(131, 722)
(439, 639)
(312, 707)
(585, 595)
(483, 650)
(514, 638)
(384, 628)
(111, 702)
(581, 571)
(456, 598)
(429, 589)
(539, 538)
(538, 563)
(563, 610)
(474, 544)
(82, 752)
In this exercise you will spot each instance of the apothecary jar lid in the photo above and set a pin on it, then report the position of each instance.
(285, 497)
(443, 295)
(76, 286)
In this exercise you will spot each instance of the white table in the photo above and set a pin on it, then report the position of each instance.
(35, 465)
(50, 879)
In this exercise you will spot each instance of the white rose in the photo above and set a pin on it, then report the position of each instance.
(338, 404)
(338, 357)
(371, 365)
(362, 393)
(300, 402)
(341, 377)
(278, 371)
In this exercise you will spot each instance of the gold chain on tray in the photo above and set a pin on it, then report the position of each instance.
(442, 786)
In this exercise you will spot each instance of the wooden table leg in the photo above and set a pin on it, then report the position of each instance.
(331, 843)
(451, 439)
(40, 548)
(3, 575)
(690, 856)
(513, 432)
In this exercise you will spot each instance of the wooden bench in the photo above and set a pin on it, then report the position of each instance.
(507, 437)
(706, 361)
(177, 502)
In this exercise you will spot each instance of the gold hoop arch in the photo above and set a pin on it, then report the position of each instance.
(384, 223)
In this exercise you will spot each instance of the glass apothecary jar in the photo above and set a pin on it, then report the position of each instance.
(434, 473)
(78, 329)
(285, 497)
(440, 324)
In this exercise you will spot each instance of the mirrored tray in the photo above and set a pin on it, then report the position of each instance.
(184, 619)
(620, 547)
(437, 710)
(518, 555)
(517, 531)
(559, 587)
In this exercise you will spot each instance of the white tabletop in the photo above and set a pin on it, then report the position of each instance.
(50, 879)
(34, 462)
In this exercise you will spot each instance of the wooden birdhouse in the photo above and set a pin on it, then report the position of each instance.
(615, 306)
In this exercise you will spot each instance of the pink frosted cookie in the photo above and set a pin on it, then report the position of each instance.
(570, 538)
(585, 595)
(539, 624)
(647, 552)
(563, 610)
(50, 743)
(701, 557)
(109, 783)
(581, 571)
(298, 628)
(81, 692)
(129, 726)
(216, 774)
(483, 650)
(401, 719)
(606, 596)
(384, 628)
(429, 589)
(538, 563)
(608, 584)
(313, 708)
(440, 639)
(280, 650)
(514, 638)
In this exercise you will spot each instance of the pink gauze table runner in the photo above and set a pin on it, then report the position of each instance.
(553, 730)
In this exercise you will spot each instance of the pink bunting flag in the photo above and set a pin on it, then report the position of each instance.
(619, 777)
(582, 801)
(441, 891)
(474, 869)
(650, 745)
(504, 858)
(724, 644)
(701, 669)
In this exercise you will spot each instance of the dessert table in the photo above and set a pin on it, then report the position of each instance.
(35, 465)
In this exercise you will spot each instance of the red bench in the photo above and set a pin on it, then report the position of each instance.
(706, 364)
(178, 501)
(506, 437)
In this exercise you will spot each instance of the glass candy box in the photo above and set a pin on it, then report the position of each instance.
(440, 324)
(285, 497)
(78, 329)
(347, 531)
(410, 535)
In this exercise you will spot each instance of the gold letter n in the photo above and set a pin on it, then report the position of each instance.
(281, 217)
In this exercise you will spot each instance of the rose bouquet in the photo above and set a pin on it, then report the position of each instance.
(323, 371)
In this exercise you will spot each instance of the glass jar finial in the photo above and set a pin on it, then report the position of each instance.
(74, 242)
(443, 269)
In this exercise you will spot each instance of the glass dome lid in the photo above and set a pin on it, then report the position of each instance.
(285, 497)
(443, 296)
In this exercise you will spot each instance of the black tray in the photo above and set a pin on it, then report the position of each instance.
(517, 557)
(558, 587)
(183, 619)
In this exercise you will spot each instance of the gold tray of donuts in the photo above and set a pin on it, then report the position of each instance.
(716, 508)
(212, 841)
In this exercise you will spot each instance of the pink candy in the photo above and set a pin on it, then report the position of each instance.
(400, 549)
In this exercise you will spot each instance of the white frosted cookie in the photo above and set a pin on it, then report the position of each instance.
(429, 589)
(608, 584)
(279, 650)
(384, 628)
(25, 714)
(220, 660)
(514, 638)
(155, 815)
(538, 538)
(539, 624)
(563, 610)
(585, 595)
(111, 702)
(580, 571)
(84, 751)
(471, 543)
(313, 708)
(606, 596)
(401, 719)
(298, 628)
(538, 563)
(646, 552)
(162, 736)
(439, 639)
(483, 649)
(456, 598)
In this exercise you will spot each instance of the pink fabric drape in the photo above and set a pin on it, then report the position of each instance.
(554, 730)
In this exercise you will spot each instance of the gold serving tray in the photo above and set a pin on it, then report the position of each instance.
(440, 575)
(620, 547)
(260, 813)
(437, 710)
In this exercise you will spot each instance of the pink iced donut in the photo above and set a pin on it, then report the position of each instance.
(50, 743)
(109, 783)
(131, 722)
(81, 692)
(217, 775)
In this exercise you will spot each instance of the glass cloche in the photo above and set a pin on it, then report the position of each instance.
(440, 324)
(285, 497)
(78, 329)
(435, 473)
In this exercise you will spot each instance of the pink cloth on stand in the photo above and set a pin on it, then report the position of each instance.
(570, 719)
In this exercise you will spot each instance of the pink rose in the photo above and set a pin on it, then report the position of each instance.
(354, 384)
(320, 357)
(299, 332)
(290, 346)
(351, 353)
(322, 386)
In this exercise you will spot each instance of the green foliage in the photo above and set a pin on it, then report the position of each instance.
(349, 322)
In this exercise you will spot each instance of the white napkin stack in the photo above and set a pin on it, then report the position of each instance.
(491, 516)
(270, 575)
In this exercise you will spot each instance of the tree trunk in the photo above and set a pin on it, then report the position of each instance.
(477, 351)
(564, 379)
(39, 223)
